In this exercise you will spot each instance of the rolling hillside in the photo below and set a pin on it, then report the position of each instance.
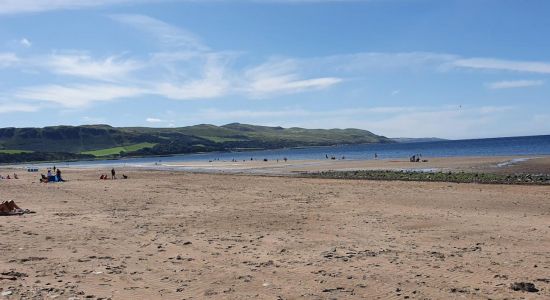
(104, 140)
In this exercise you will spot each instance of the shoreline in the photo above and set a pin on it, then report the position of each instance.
(492, 170)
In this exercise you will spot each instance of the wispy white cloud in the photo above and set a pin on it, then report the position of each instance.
(8, 59)
(380, 61)
(196, 89)
(187, 75)
(81, 65)
(212, 83)
(266, 86)
(17, 107)
(503, 65)
(281, 77)
(31, 6)
(25, 42)
(154, 120)
(168, 35)
(510, 84)
(77, 96)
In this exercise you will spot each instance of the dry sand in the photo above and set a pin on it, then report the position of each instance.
(176, 235)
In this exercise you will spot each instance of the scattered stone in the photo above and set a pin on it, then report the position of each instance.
(14, 274)
(459, 290)
(32, 258)
(438, 255)
(338, 289)
(524, 287)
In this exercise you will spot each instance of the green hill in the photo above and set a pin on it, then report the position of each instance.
(104, 140)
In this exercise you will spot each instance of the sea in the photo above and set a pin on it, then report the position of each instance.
(507, 146)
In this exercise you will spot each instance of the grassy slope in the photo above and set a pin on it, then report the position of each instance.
(5, 151)
(117, 150)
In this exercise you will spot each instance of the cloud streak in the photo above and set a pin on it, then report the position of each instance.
(8, 59)
(167, 34)
(34, 6)
(107, 69)
(281, 77)
(9, 7)
(503, 65)
(511, 84)
(12, 108)
(77, 96)
(25, 43)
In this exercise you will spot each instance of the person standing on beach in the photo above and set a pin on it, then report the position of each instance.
(113, 173)
(58, 175)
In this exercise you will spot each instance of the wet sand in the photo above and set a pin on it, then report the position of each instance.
(178, 235)
(496, 164)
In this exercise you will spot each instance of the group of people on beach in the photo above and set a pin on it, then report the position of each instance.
(50, 177)
(251, 159)
(333, 157)
(417, 158)
(113, 175)
(10, 177)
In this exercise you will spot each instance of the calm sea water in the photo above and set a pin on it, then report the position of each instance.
(528, 145)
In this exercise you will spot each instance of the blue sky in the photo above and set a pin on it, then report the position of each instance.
(400, 68)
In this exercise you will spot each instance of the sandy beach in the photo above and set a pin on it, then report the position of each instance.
(179, 235)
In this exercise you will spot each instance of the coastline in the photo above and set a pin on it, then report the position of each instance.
(479, 164)
(534, 170)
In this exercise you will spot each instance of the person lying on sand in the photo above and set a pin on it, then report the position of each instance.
(9, 206)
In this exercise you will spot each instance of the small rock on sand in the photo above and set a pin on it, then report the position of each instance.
(524, 286)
